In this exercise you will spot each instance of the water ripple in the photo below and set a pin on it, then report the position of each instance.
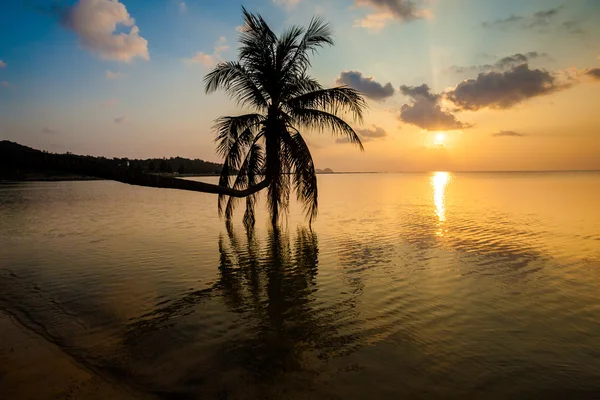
(452, 283)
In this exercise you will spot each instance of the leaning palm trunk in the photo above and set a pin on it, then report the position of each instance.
(271, 80)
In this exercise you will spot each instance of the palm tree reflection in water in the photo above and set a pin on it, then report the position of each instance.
(274, 287)
(283, 326)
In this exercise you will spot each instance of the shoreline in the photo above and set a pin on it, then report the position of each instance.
(26, 356)
(52, 179)
(91, 178)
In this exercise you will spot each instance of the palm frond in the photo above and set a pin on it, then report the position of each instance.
(286, 44)
(318, 34)
(247, 175)
(238, 83)
(255, 169)
(335, 100)
(297, 85)
(229, 130)
(257, 50)
(320, 120)
(232, 145)
(256, 28)
(303, 173)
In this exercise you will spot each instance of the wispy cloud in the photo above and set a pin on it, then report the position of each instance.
(367, 85)
(122, 119)
(49, 131)
(182, 7)
(572, 27)
(5, 84)
(110, 75)
(96, 21)
(376, 132)
(508, 133)
(537, 20)
(209, 60)
(541, 21)
(366, 134)
(386, 11)
(502, 64)
(2, 64)
(287, 4)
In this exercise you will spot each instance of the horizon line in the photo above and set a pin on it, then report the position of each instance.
(458, 172)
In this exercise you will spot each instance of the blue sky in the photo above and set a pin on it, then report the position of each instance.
(65, 85)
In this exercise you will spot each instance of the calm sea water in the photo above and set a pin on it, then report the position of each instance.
(483, 285)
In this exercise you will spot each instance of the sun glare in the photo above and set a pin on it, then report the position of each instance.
(440, 139)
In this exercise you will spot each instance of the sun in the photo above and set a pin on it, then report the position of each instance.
(440, 139)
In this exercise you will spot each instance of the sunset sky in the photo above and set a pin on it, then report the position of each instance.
(451, 84)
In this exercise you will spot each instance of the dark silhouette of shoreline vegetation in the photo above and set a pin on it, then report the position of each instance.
(21, 163)
(263, 149)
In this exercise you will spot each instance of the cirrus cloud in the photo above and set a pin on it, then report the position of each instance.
(366, 85)
(2, 64)
(122, 119)
(96, 21)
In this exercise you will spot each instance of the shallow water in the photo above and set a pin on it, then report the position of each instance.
(478, 285)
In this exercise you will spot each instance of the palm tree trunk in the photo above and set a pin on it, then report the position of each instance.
(273, 169)
(165, 182)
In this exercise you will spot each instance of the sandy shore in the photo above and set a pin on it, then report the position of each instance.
(33, 368)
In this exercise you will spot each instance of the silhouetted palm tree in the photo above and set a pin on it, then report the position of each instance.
(271, 79)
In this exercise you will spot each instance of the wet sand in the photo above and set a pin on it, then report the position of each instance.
(33, 368)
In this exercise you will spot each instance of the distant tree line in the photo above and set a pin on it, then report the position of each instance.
(178, 165)
(22, 162)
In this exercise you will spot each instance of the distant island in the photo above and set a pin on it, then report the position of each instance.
(22, 163)
(324, 171)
